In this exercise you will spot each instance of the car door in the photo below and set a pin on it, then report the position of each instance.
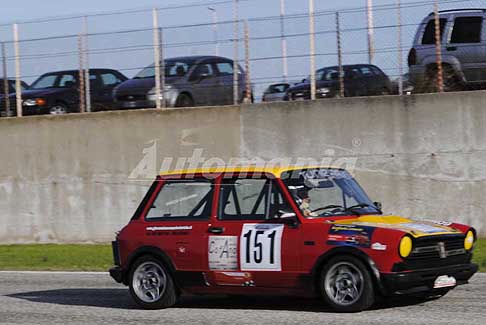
(225, 76)
(466, 44)
(247, 246)
(204, 83)
(178, 219)
(354, 83)
(102, 88)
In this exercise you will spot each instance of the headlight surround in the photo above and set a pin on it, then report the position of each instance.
(405, 246)
(34, 102)
(469, 240)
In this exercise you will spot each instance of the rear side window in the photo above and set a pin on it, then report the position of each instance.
(225, 68)
(110, 79)
(182, 199)
(467, 30)
(244, 199)
(429, 33)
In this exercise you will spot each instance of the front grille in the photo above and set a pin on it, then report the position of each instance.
(436, 251)
(131, 98)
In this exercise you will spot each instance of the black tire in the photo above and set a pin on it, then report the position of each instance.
(450, 80)
(184, 100)
(153, 269)
(356, 290)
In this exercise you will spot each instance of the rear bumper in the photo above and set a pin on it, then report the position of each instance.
(135, 104)
(404, 283)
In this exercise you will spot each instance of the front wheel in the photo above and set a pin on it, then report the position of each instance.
(346, 285)
(151, 284)
(58, 109)
(184, 100)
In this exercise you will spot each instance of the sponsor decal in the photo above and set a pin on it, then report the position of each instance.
(350, 235)
(260, 247)
(222, 252)
(378, 247)
(240, 279)
(428, 229)
(169, 228)
(440, 223)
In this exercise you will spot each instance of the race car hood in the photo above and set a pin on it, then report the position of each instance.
(414, 228)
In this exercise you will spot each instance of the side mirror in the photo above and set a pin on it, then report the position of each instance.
(379, 205)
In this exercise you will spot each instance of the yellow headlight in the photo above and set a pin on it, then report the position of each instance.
(405, 247)
(469, 240)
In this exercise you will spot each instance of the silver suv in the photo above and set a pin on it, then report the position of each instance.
(463, 40)
(189, 81)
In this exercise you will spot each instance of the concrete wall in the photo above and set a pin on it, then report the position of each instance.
(65, 178)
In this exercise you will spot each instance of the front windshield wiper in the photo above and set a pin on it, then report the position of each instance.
(361, 206)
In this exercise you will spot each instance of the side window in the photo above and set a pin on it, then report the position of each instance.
(429, 33)
(182, 199)
(244, 199)
(366, 71)
(67, 80)
(202, 70)
(225, 68)
(109, 79)
(467, 30)
(376, 71)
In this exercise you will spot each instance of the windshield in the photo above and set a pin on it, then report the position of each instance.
(328, 192)
(172, 69)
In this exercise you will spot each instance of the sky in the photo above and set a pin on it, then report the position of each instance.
(131, 51)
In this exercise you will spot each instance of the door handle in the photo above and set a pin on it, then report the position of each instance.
(216, 230)
(451, 48)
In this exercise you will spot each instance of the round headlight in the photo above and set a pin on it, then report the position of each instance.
(469, 240)
(405, 247)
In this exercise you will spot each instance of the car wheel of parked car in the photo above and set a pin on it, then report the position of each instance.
(450, 79)
(58, 109)
(151, 284)
(346, 285)
(184, 100)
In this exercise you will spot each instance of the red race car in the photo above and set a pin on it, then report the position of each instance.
(283, 231)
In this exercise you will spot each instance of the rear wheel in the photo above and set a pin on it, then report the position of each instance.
(346, 285)
(184, 100)
(151, 284)
(450, 80)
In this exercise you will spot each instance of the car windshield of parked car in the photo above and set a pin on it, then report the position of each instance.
(47, 81)
(67, 80)
(172, 69)
(328, 192)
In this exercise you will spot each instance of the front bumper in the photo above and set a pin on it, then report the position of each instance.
(406, 283)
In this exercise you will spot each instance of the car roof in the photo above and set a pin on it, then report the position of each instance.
(349, 66)
(273, 170)
(452, 11)
(77, 71)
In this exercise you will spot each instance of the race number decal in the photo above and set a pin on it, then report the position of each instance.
(260, 247)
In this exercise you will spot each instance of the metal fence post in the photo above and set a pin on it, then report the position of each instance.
(340, 56)
(370, 23)
(18, 84)
(214, 14)
(5, 80)
(235, 52)
(158, 90)
(86, 64)
(283, 40)
(247, 65)
(82, 95)
(162, 68)
(312, 51)
(438, 48)
(400, 47)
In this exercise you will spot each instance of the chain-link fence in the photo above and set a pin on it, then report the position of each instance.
(230, 54)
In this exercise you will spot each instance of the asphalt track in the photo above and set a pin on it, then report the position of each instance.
(90, 298)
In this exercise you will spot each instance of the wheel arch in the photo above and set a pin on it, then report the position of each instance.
(150, 251)
(349, 251)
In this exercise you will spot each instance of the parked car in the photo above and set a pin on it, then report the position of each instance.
(276, 92)
(252, 231)
(189, 81)
(463, 39)
(407, 86)
(359, 80)
(10, 90)
(58, 92)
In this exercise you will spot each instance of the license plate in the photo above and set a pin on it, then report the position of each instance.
(444, 281)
